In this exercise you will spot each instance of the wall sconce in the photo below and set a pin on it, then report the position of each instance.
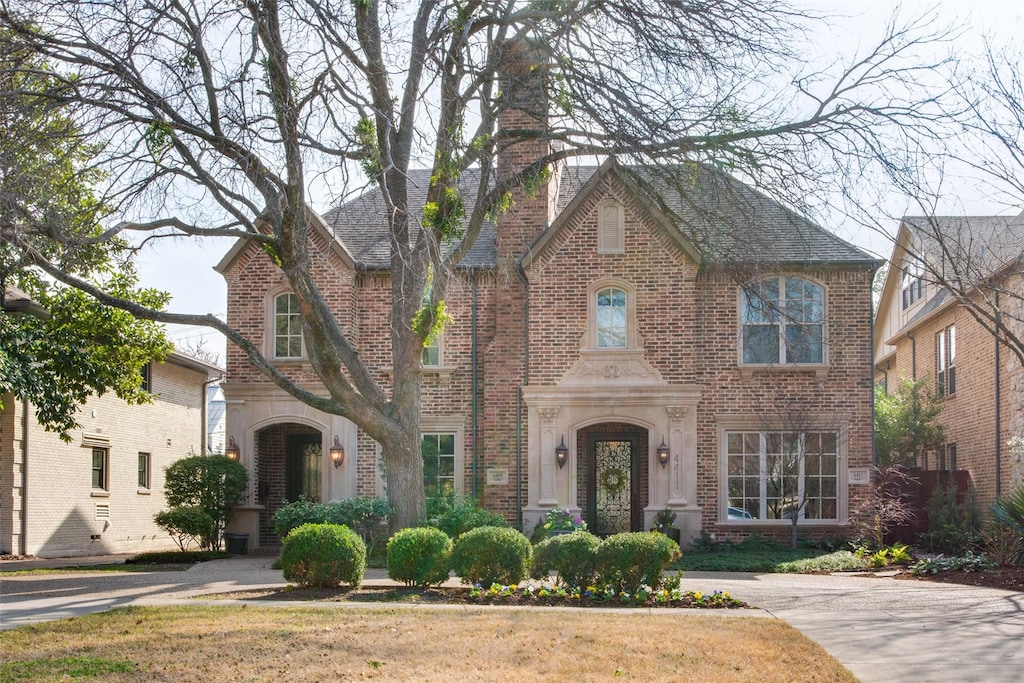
(337, 453)
(232, 451)
(663, 453)
(561, 453)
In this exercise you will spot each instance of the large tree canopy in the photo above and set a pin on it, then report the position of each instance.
(218, 118)
(48, 208)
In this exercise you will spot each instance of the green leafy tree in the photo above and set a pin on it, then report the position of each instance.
(83, 347)
(211, 483)
(907, 424)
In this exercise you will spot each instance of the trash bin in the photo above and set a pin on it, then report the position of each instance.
(237, 544)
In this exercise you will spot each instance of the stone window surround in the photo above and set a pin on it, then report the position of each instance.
(448, 424)
(748, 423)
(589, 341)
(821, 369)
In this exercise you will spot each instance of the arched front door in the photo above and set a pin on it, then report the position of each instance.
(615, 475)
(289, 466)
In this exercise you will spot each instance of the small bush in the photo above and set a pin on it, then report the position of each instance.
(177, 557)
(463, 514)
(186, 525)
(968, 562)
(953, 529)
(323, 556)
(212, 483)
(488, 554)
(571, 556)
(360, 513)
(629, 561)
(419, 557)
(1008, 512)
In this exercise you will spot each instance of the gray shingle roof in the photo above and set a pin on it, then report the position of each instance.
(726, 220)
(975, 246)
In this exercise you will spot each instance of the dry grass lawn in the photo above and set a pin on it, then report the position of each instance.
(239, 644)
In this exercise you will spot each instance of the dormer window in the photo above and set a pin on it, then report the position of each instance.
(913, 282)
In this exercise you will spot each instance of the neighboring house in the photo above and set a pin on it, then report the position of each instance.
(98, 494)
(922, 331)
(656, 335)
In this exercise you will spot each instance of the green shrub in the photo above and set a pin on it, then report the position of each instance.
(323, 556)
(462, 514)
(419, 556)
(488, 554)
(186, 525)
(571, 556)
(968, 562)
(211, 483)
(177, 557)
(953, 529)
(631, 560)
(361, 514)
(1009, 512)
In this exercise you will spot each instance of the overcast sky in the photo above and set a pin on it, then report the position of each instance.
(185, 268)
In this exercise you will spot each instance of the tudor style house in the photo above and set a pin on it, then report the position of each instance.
(923, 332)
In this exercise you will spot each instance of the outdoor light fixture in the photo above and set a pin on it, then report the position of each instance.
(337, 453)
(663, 453)
(561, 453)
(232, 452)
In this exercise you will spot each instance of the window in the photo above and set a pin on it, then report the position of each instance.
(144, 461)
(147, 377)
(432, 352)
(775, 475)
(947, 457)
(913, 283)
(287, 327)
(945, 357)
(99, 469)
(611, 318)
(783, 322)
(438, 450)
(609, 229)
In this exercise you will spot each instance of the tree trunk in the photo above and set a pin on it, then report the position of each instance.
(403, 474)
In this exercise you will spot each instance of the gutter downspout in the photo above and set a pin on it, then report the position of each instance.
(519, 393)
(26, 406)
(473, 386)
(999, 422)
(913, 356)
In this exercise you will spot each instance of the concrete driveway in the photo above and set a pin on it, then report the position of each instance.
(881, 629)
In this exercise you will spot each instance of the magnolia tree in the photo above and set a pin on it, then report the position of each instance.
(216, 119)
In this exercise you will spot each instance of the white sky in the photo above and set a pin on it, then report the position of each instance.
(185, 268)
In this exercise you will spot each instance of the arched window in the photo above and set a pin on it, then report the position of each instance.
(612, 318)
(783, 321)
(287, 327)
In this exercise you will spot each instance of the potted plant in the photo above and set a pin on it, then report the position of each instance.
(665, 522)
(560, 521)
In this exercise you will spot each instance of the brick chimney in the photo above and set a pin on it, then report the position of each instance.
(525, 117)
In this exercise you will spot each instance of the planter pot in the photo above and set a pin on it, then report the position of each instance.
(560, 532)
(237, 544)
(672, 532)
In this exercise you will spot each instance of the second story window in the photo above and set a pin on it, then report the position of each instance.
(612, 319)
(287, 327)
(432, 352)
(783, 322)
(913, 283)
(945, 356)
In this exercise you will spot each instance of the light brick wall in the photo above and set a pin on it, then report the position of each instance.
(61, 503)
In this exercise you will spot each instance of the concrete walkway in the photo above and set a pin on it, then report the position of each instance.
(881, 629)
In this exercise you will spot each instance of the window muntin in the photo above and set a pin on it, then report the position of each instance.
(287, 327)
(144, 469)
(774, 475)
(438, 451)
(99, 469)
(912, 283)
(945, 360)
(783, 322)
(612, 318)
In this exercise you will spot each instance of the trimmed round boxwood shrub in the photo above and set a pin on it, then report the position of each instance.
(488, 555)
(571, 556)
(419, 556)
(628, 561)
(323, 556)
(465, 514)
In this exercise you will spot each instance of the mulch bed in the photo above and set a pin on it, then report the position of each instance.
(1007, 578)
(460, 596)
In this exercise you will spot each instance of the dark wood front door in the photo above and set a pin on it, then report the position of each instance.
(302, 467)
(613, 483)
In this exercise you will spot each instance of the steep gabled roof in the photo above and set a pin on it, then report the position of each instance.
(979, 246)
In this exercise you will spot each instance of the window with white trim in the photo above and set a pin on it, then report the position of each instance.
(100, 469)
(612, 318)
(144, 470)
(783, 321)
(287, 326)
(438, 451)
(945, 361)
(775, 475)
(912, 284)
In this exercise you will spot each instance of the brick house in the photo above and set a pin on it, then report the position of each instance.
(654, 332)
(921, 331)
(97, 494)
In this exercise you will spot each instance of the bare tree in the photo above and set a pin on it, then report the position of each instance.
(217, 119)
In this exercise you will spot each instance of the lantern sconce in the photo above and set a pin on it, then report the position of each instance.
(337, 453)
(561, 453)
(663, 453)
(232, 451)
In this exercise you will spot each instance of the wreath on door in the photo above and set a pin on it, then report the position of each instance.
(613, 481)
